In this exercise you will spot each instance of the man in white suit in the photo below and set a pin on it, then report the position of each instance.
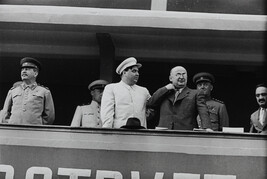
(125, 99)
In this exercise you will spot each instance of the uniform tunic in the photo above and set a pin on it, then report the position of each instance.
(28, 104)
(120, 102)
(218, 114)
(87, 116)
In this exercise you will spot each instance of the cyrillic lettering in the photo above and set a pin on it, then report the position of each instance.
(74, 173)
(213, 176)
(102, 174)
(9, 170)
(47, 172)
(186, 176)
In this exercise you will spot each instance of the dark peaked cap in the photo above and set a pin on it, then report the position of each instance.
(203, 76)
(29, 62)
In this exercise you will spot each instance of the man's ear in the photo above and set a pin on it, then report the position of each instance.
(92, 92)
(211, 88)
(170, 78)
(36, 72)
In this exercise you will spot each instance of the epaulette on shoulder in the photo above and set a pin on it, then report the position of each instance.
(217, 100)
(43, 86)
(84, 104)
(13, 87)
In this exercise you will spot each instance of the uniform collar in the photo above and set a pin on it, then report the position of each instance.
(31, 86)
(128, 86)
(94, 103)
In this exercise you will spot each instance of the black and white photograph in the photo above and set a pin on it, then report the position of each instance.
(133, 89)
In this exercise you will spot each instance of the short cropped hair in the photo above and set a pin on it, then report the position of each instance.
(261, 85)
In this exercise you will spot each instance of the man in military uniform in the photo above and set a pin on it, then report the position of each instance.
(217, 109)
(258, 119)
(28, 102)
(89, 115)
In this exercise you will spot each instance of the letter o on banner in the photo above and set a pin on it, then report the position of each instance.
(9, 170)
(47, 172)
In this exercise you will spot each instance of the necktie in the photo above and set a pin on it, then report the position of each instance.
(176, 95)
(262, 115)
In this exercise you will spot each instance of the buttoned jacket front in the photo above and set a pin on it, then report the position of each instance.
(180, 114)
(87, 116)
(256, 126)
(29, 105)
(218, 114)
(120, 102)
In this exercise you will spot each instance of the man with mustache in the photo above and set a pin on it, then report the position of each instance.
(180, 105)
(258, 119)
(29, 103)
(217, 109)
(124, 100)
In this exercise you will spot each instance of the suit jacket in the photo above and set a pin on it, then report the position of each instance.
(180, 114)
(256, 126)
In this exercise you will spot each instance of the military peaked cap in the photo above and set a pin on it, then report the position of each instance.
(203, 76)
(97, 84)
(29, 62)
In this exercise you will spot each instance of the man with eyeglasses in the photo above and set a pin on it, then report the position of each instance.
(217, 109)
(28, 102)
(124, 100)
(258, 119)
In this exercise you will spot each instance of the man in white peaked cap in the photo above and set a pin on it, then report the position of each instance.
(124, 99)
